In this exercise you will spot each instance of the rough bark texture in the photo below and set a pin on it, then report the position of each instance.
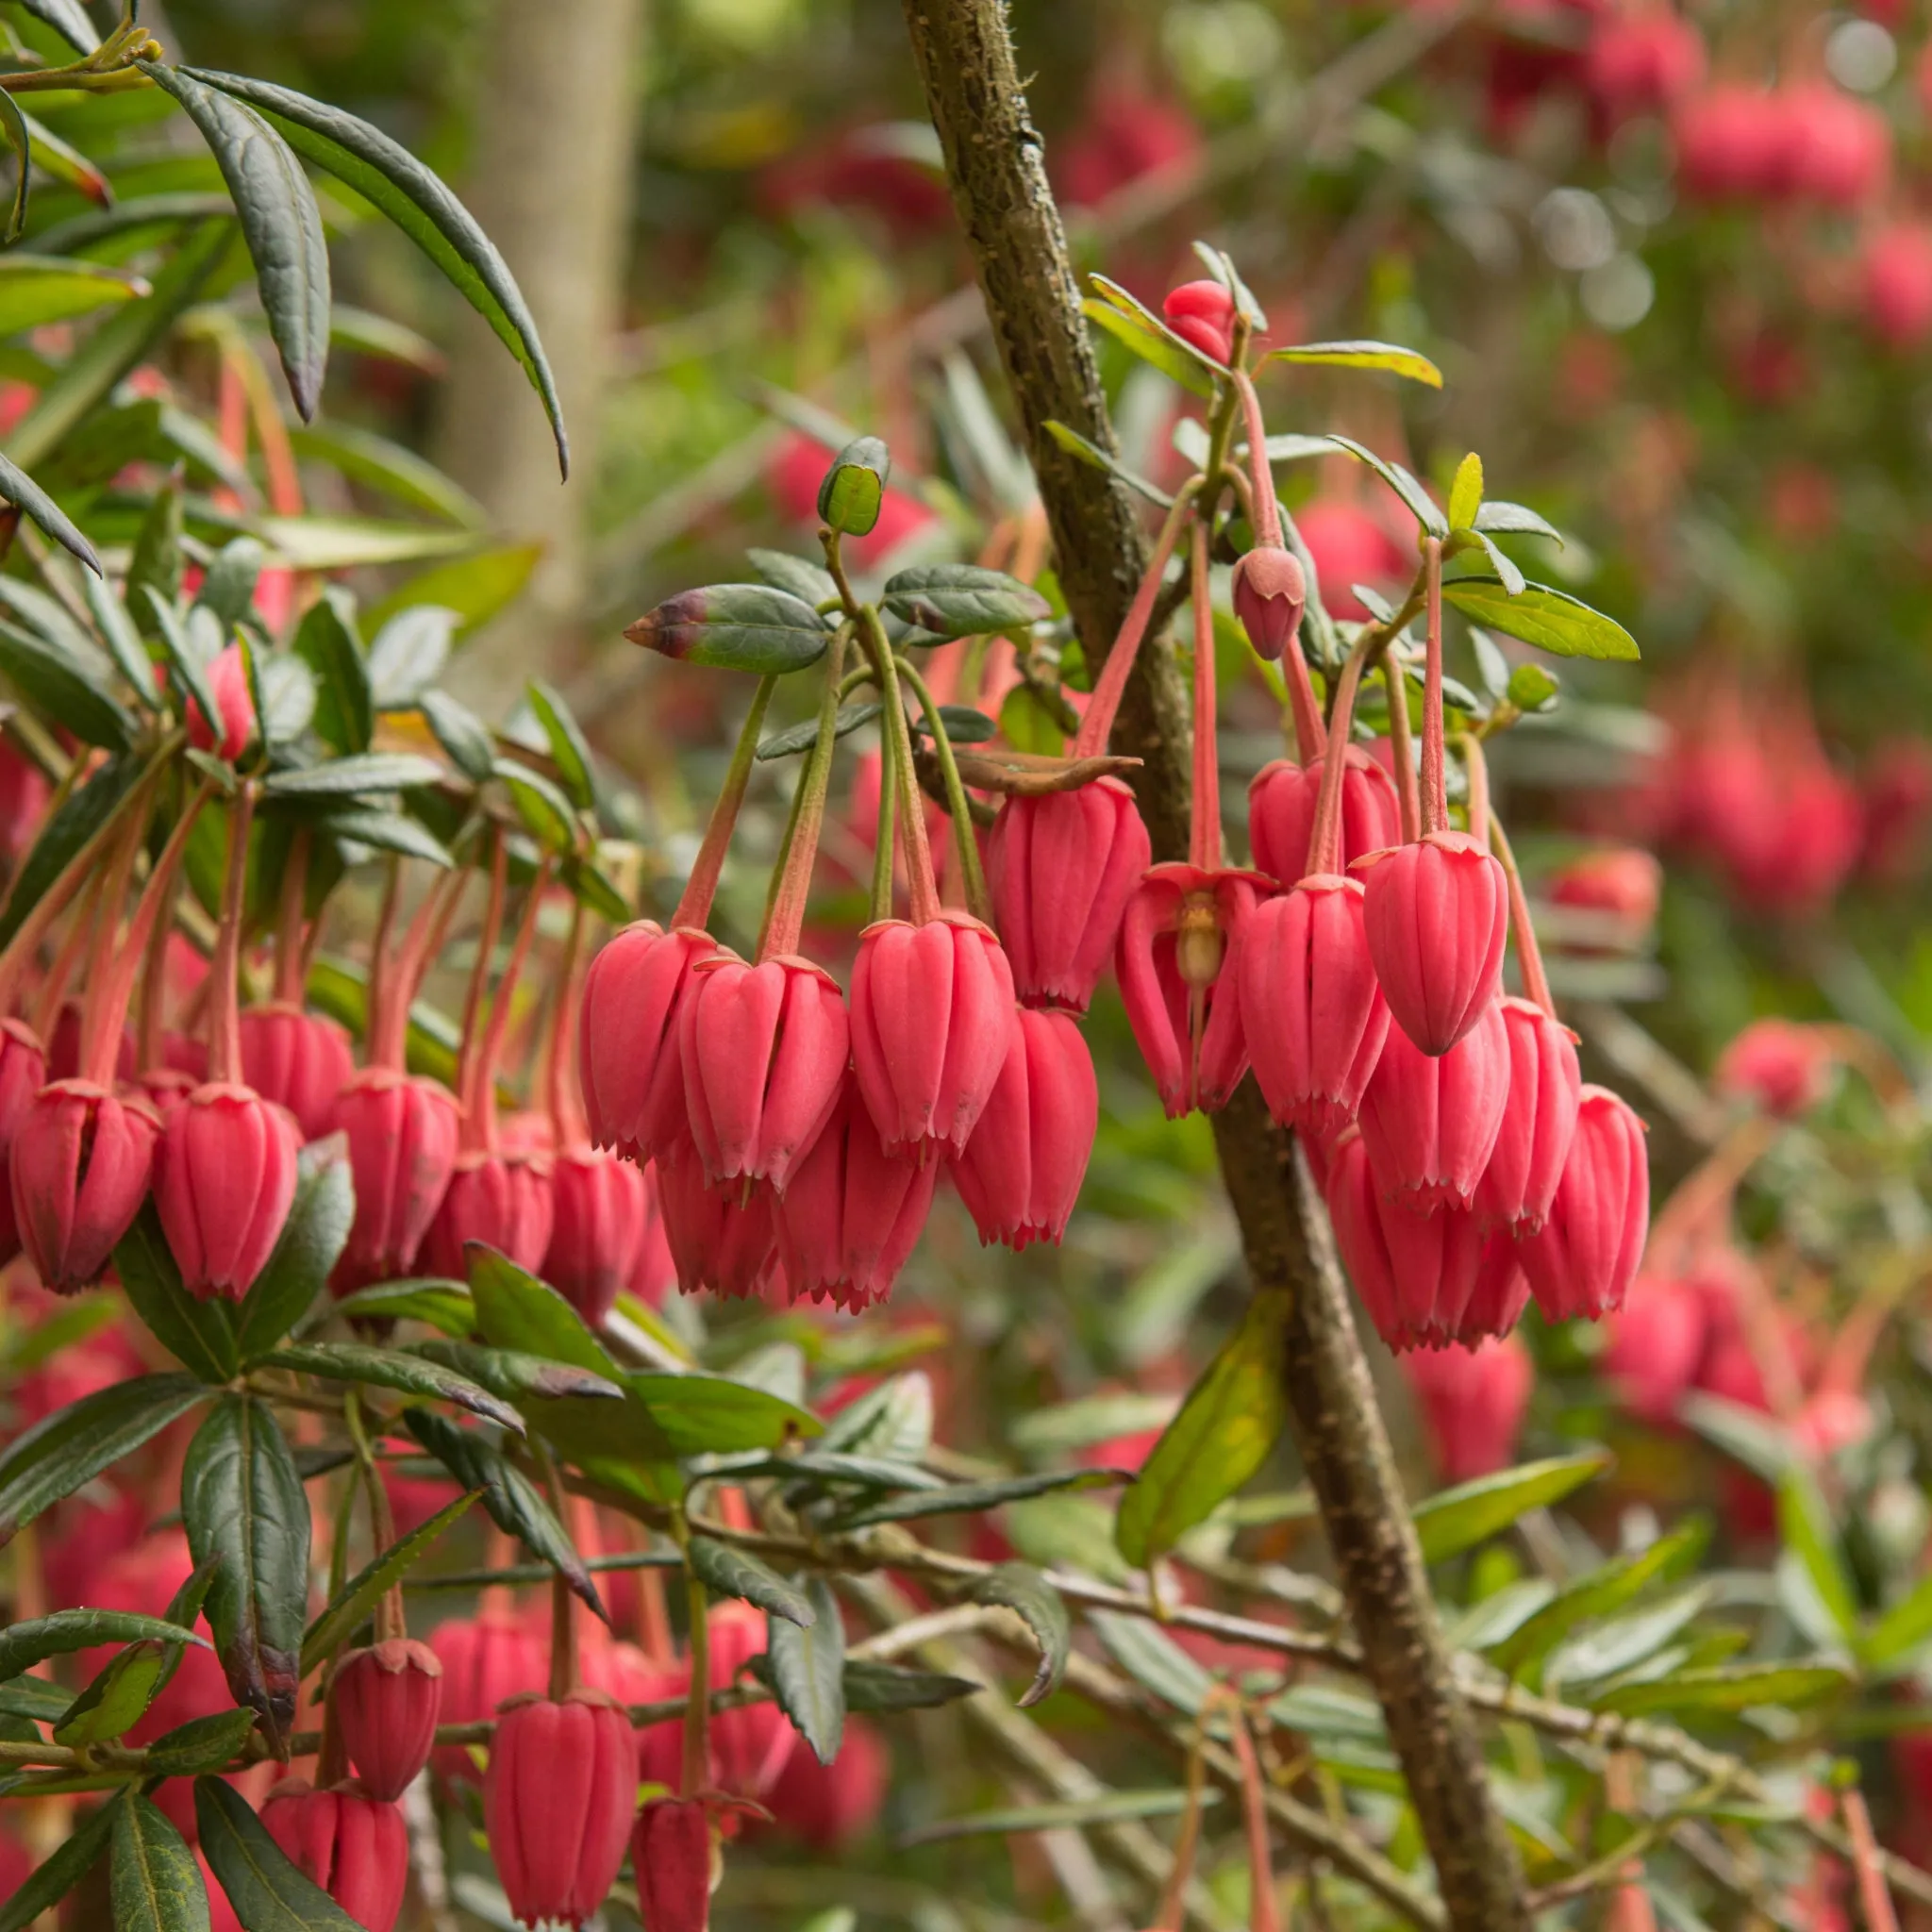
(994, 159)
(556, 115)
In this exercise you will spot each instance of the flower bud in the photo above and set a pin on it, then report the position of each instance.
(1021, 1173)
(386, 1702)
(853, 1213)
(558, 1801)
(1270, 591)
(1620, 886)
(1656, 1345)
(227, 681)
(633, 1079)
(720, 1238)
(225, 1180)
(763, 1050)
(673, 1850)
(1539, 1120)
(1314, 1018)
(1436, 916)
(22, 1073)
(1430, 1120)
(932, 1016)
(486, 1659)
(1473, 1401)
(600, 1205)
(1061, 867)
(82, 1160)
(352, 1844)
(503, 1200)
(1582, 1261)
(1781, 1066)
(402, 1135)
(300, 1061)
(1281, 813)
(1201, 314)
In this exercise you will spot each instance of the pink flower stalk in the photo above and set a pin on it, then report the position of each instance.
(1430, 1122)
(1583, 1260)
(388, 1699)
(1473, 1400)
(1020, 1173)
(1539, 1118)
(354, 1846)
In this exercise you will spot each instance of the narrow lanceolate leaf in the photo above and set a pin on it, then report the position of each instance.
(569, 748)
(68, 687)
(1388, 355)
(408, 654)
(1515, 519)
(870, 1687)
(728, 1571)
(36, 290)
(67, 18)
(327, 642)
(1730, 1687)
(388, 175)
(1110, 1807)
(1224, 1432)
(1095, 458)
(75, 1444)
(13, 123)
(60, 1633)
(512, 1374)
(269, 1894)
(69, 1864)
(810, 581)
(370, 773)
(1044, 1612)
(359, 1595)
(20, 489)
(1459, 1519)
(279, 218)
(808, 1671)
(1131, 321)
(1420, 504)
(242, 1500)
(80, 818)
(154, 1883)
(390, 1368)
(798, 738)
(1805, 1523)
(516, 1505)
(203, 1744)
(961, 600)
(460, 733)
(959, 1499)
(1551, 620)
(737, 626)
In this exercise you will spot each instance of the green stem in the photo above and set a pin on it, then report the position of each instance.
(925, 898)
(785, 916)
(223, 1023)
(563, 1620)
(1435, 799)
(882, 840)
(694, 905)
(697, 1711)
(475, 991)
(483, 1134)
(965, 842)
(1401, 745)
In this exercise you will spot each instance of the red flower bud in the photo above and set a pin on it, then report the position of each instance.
(82, 1160)
(1281, 813)
(633, 1079)
(1201, 314)
(853, 1212)
(387, 1703)
(504, 1200)
(1270, 589)
(225, 1180)
(720, 1238)
(673, 1850)
(354, 1846)
(300, 1061)
(1781, 1066)
(1436, 916)
(227, 681)
(932, 1015)
(1425, 1279)
(763, 1050)
(1582, 1261)
(22, 1073)
(1179, 981)
(1062, 868)
(1430, 1120)
(600, 1207)
(1639, 62)
(1622, 886)
(1021, 1173)
(558, 1801)
(1473, 1400)
(1896, 273)
(402, 1134)
(1312, 1014)
(1539, 1122)
(1657, 1341)
(486, 1659)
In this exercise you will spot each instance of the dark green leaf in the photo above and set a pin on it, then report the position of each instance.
(279, 218)
(1091, 453)
(546, 813)
(737, 626)
(893, 1421)
(506, 1372)
(809, 1669)
(386, 174)
(358, 1598)
(855, 487)
(21, 142)
(1551, 620)
(515, 1504)
(33, 1698)
(1420, 504)
(200, 1335)
(327, 642)
(594, 891)
(155, 1884)
(386, 831)
(460, 733)
(1606, 1589)
(809, 581)
(203, 1744)
(70, 1862)
(1730, 1687)
(569, 748)
(783, 744)
(960, 600)
(1901, 1630)
(18, 488)
(444, 1305)
(242, 1500)
(124, 639)
(1224, 1432)
(191, 645)
(1044, 1611)
(371, 772)
(62, 1632)
(1624, 1642)
(66, 688)
(228, 588)
(390, 1368)
(1110, 1807)
(1459, 1519)
(67, 18)
(870, 1687)
(1397, 362)
(959, 1498)
(75, 1444)
(268, 1892)
(1513, 519)
(408, 654)
(725, 1571)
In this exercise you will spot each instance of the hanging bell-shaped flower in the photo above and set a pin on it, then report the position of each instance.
(225, 1180)
(82, 1161)
(633, 1080)
(485, 1658)
(1539, 1122)
(1430, 1120)
(299, 1059)
(1473, 1400)
(388, 1699)
(22, 1073)
(721, 1239)
(1583, 1260)
(402, 1135)
(673, 1850)
(1270, 589)
(1281, 812)
(504, 1200)
(1201, 314)
(353, 1845)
